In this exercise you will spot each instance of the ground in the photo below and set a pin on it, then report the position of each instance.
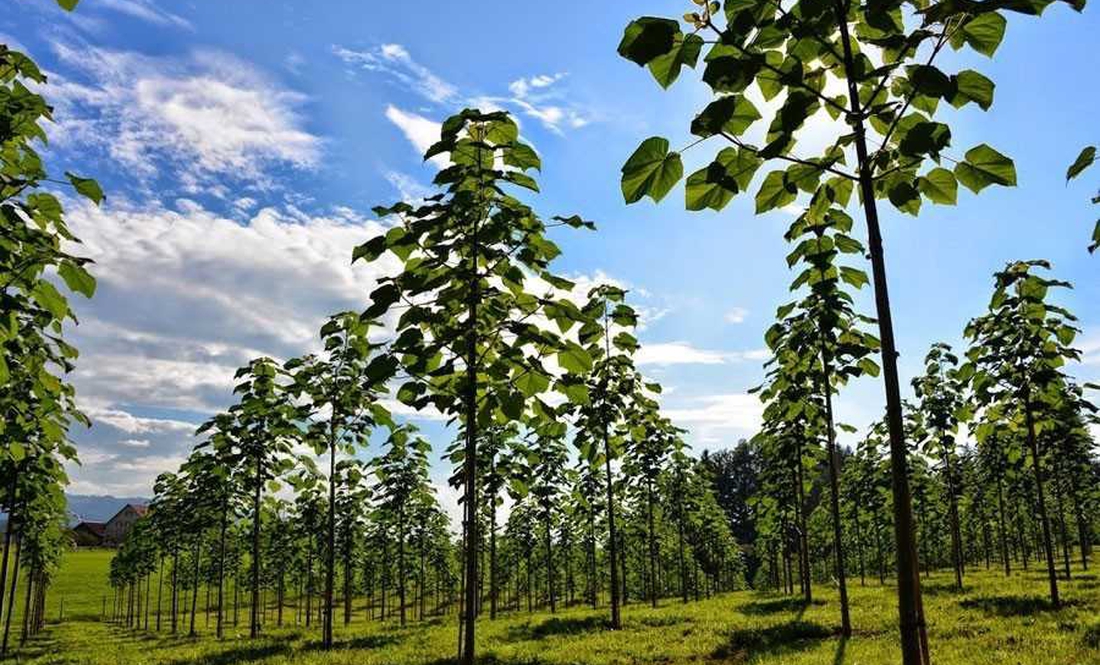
(995, 620)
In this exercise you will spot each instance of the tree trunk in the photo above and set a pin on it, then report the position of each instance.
(652, 544)
(1037, 465)
(914, 639)
(330, 555)
(834, 483)
(254, 610)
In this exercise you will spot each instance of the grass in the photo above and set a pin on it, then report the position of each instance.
(994, 620)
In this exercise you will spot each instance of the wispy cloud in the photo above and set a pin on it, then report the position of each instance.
(394, 60)
(147, 11)
(736, 315)
(684, 353)
(205, 120)
(722, 418)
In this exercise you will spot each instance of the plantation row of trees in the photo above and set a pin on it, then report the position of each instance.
(865, 75)
(1025, 487)
(572, 481)
(37, 403)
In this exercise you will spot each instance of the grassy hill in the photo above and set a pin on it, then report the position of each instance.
(995, 621)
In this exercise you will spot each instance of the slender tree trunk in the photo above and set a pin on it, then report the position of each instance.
(330, 555)
(834, 482)
(254, 610)
(11, 595)
(1037, 465)
(652, 544)
(401, 563)
(953, 515)
(195, 591)
(7, 538)
(1001, 527)
(616, 617)
(470, 471)
(550, 559)
(914, 639)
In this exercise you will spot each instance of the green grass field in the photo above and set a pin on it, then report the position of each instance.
(996, 620)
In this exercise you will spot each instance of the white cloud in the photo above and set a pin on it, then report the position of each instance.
(420, 131)
(684, 353)
(207, 120)
(736, 315)
(395, 61)
(145, 10)
(719, 418)
(408, 188)
(185, 297)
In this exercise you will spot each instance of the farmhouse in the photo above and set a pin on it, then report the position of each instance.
(112, 532)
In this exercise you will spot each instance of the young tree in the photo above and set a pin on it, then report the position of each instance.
(340, 389)
(1015, 359)
(614, 387)
(468, 340)
(264, 426)
(402, 473)
(880, 57)
(942, 405)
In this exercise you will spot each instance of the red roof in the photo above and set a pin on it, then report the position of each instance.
(97, 528)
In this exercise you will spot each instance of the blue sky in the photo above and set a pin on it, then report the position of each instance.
(242, 144)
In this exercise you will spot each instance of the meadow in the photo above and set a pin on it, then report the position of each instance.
(993, 621)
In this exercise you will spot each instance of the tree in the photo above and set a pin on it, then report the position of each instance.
(468, 343)
(1015, 358)
(402, 473)
(883, 55)
(940, 392)
(614, 387)
(263, 427)
(341, 389)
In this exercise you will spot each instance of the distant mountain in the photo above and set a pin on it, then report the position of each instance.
(91, 508)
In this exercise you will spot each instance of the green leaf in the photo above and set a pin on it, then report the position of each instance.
(939, 186)
(647, 38)
(685, 51)
(732, 114)
(984, 32)
(985, 166)
(77, 278)
(16, 451)
(853, 276)
(715, 185)
(86, 187)
(970, 86)
(1083, 161)
(68, 5)
(47, 295)
(573, 358)
(651, 171)
(775, 192)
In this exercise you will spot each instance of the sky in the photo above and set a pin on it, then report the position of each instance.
(242, 145)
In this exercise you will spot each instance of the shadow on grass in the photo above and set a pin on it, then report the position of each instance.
(747, 644)
(361, 642)
(1007, 606)
(764, 607)
(245, 654)
(492, 659)
(557, 626)
(941, 589)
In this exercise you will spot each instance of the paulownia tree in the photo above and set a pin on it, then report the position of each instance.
(339, 389)
(943, 406)
(1017, 351)
(468, 337)
(614, 388)
(871, 65)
